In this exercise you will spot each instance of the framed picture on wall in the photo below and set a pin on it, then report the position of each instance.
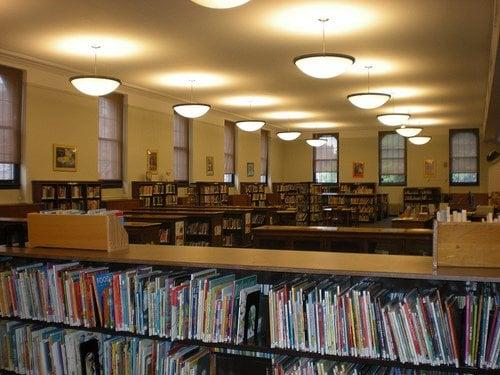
(152, 161)
(358, 169)
(250, 169)
(429, 168)
(210, 165)
(64, 158)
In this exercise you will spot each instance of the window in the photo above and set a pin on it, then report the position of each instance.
(11, 83)
(229, 154)
(181, 148)
(326, 159)
(464, 157)
(264, 155)
(392, 159)
(111, 139)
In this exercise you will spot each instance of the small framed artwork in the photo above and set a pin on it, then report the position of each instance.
(358, 169)
(429, 168)
(64, 158)
(152, 161)
(210, 165)
(250, 169)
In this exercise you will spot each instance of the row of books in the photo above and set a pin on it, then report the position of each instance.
(232, 223)
(35, 349)
(253, 188)
(156, 189)
(198, 227)
(198, 243)
(158, 200)
(349, 188)
(365, 319)
(75, 192)
(202, 305)
(214, 189)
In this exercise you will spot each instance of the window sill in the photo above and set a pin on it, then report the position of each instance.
(464, 184)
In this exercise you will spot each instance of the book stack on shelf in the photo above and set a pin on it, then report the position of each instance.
(417, 196)
(287, 192)
(208, 193)
(256, 191)
(316, 192)
(155, 194)
(67, 195)
(198, 233)
(360, 198)
(236, 228)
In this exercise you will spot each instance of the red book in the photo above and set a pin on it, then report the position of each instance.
(117, 301)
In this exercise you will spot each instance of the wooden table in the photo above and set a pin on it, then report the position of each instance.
(423, 221)
(14, 227)
(140, 232)
(344, 239)
(171, 226)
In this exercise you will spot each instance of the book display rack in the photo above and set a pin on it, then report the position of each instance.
(155, 194)
(347, 308)
(416, 196)
(256, 191)
(67, 195)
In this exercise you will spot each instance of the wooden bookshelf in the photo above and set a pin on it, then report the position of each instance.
(208, 194)
(316, 192)
(256, 191)
(416, 196)
(295, 195)
(66, 195)
(382, 206)
(155, 193)
(171, 230)
(236, 228)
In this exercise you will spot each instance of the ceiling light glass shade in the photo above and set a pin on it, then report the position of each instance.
(316, 142)
(288, 136)
(393, 119)
(323, 65)
(408, 132)
(220, 4)
(191, 110)
(419, 140)
(368, 100)
(250, 125)
(95, 85)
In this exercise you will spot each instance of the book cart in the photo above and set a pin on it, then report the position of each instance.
(467, 349)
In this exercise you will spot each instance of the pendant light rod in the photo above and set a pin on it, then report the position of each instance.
(323, 21)
(368, 67)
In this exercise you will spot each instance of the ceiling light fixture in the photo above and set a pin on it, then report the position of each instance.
(325, 64)
(288, 135)
(394, 118)
(191, 110)
(220, 4)
(316, 142)
(93, 84)
(368, 100)
(408, 132)
(250, 125)
(419, 141)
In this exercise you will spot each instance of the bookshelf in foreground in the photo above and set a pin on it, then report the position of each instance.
(340, 307)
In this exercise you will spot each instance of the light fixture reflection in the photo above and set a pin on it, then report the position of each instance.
(408, 132)
(316, 142)
(288, 136)
(419, 141)
(220, 4)
(250, 125)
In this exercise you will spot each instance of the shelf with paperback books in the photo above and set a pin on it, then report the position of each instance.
(208, 194)
(67, 195)
(256, 191)
(415, 196)
(155, 193)
(424, 324)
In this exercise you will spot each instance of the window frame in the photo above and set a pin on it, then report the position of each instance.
(319, 135)
(266, 134)
(113, 183)
(451, 133)
(183, 183)
(233, 175)
(381, 135)
(15, 182)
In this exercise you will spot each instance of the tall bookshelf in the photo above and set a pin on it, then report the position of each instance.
(405, 316)
(256, 191)
(66, 195)
(316, 191)
(208, 194)
(360, 198)
(155, 194)
(416, 196)
(295, 195)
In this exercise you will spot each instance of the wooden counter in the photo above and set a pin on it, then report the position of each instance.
(376, 265)
(366, 240)
(413, 222)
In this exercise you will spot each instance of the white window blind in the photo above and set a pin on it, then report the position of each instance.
(229, 151)
(181, 148)
(11, 82)
(392, 154)
(264, 155)
(110, 137)
(464, 149)
(326, 159)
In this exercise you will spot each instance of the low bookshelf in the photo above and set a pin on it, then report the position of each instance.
(155, 193)
(407, 316)
(208, 194)
(66, 195)
(417, 196)
(256, 191)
